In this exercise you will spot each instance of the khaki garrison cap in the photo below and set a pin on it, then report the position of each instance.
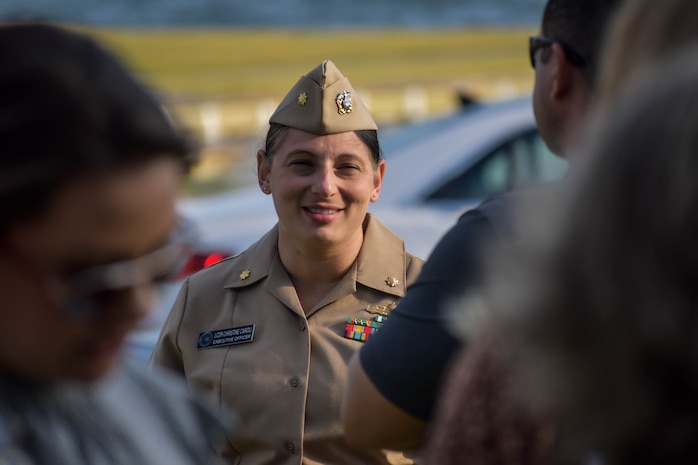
(323, 102)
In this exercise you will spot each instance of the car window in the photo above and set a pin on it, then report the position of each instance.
(522, 161)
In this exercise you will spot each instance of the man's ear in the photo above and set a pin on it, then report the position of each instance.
(564, 73)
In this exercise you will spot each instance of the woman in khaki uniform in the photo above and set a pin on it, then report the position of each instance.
(269, 332)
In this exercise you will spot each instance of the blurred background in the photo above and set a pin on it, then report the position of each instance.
(448, 82)
(221, 66)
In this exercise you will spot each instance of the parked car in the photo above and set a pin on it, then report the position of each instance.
(436, 170)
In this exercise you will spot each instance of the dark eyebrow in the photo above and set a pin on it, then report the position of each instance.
(301, 152)
(311, 154)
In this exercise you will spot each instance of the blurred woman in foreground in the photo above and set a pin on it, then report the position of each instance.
(89, 170)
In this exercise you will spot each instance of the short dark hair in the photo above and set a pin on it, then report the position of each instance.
(69, 107)
(277, 132)
(582, 25)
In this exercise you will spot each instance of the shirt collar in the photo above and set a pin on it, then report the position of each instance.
(380, 264)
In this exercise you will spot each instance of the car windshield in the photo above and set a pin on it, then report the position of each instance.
(482, 150)
(394, 138)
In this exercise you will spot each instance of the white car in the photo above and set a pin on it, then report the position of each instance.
(436, 170)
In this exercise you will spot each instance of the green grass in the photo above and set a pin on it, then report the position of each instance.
(234, 63)
(244, 72)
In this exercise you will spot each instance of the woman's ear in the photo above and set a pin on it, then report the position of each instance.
(263, 168)
(378, 180)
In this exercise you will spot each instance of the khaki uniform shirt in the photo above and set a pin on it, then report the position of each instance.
(286, 383)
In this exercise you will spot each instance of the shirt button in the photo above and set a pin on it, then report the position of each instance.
(302, 326)
(290, 447)
(294, 382)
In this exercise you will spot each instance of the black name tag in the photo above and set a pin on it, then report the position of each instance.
(226, 337)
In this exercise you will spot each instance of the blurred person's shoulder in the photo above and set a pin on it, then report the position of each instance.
(502, 210)
(163, 417)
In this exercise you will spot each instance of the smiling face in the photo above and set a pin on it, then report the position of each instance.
(321, 186)
(90, 222)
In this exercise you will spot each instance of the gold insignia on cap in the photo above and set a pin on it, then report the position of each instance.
(344, 102)
(323, 102)
(245, 274)
(392, 281)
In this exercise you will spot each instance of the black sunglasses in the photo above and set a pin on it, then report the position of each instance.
(535, 43)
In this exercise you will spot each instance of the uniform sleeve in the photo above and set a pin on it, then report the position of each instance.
(167, 353)
(405, 360)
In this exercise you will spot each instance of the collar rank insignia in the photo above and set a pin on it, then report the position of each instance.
(360, 330)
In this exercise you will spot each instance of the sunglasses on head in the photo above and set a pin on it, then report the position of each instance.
(536, 43)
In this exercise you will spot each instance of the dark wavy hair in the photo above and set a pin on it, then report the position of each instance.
(277, 132)
(68, 107)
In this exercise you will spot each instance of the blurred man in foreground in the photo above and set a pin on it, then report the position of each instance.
(397, 373)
